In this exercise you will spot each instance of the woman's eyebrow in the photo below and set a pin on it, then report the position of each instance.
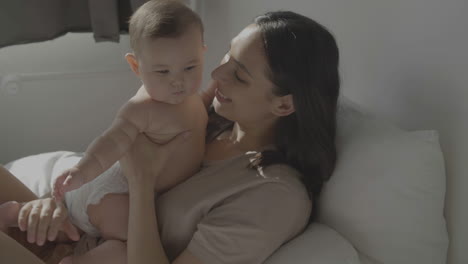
(242, 66)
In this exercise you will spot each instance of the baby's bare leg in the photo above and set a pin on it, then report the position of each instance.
(110, 217)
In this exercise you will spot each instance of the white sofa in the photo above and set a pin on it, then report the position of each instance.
(383, 204)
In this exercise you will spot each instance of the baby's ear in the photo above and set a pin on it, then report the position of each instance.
(132, 61)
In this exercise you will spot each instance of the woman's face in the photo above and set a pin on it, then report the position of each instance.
(243, 93)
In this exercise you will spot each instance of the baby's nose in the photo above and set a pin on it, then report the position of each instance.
(178, 80)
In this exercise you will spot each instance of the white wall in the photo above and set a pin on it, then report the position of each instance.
(406, 61)
(61, 103)
(69, 91)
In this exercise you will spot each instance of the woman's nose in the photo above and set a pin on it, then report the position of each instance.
(219, 73)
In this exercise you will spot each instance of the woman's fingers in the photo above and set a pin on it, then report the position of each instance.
(60, 222)
(32, 222)
(57, 218)
(44, 222)
(23, 216)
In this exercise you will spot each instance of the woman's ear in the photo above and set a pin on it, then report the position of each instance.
(132, 61)
(283, 105)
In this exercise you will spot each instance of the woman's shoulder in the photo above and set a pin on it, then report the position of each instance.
(284, 174)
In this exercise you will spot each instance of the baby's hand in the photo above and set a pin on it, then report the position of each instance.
(69, 180)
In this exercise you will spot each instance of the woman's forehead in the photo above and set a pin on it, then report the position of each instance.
(248, 37)
(247, 47)
(248, 31)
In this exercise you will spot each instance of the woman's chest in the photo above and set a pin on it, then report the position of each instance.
(182, 208)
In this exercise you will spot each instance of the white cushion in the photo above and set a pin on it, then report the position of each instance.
(386, 195)
(37, 172)
(317, 244)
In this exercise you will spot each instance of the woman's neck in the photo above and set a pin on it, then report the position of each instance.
(251, 138)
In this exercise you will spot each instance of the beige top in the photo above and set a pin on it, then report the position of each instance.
(228, 213)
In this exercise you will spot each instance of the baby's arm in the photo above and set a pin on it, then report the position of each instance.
(105, 150)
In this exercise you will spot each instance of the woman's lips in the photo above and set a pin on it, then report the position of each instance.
(221, 97)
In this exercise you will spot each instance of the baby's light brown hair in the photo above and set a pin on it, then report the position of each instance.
(161, 18)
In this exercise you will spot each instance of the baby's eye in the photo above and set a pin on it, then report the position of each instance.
(163, 71)
(190, 68)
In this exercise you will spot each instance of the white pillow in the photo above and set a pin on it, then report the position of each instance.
(386, 195)
(37, 172)
(317, 244)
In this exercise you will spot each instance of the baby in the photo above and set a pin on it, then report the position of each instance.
(167, 39)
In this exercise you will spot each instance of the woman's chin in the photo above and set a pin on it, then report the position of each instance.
(218, 108)
(216, 105)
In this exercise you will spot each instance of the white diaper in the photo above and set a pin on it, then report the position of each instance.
(77, 201)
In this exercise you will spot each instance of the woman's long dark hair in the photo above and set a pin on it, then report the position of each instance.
(303, 61)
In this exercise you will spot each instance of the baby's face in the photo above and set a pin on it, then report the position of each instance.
(171, 68)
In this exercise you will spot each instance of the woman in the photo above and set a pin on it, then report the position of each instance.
(270, 146)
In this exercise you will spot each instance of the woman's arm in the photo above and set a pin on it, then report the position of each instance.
(144, 242)
(12, 252)
(11, 189)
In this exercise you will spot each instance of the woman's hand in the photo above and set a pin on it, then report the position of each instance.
(145, 159)
(45, 218)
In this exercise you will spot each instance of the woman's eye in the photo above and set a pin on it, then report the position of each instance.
(238, 78)
(163, 71)
(190, 68)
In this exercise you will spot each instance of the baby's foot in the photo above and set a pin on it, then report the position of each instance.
(9, 215)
